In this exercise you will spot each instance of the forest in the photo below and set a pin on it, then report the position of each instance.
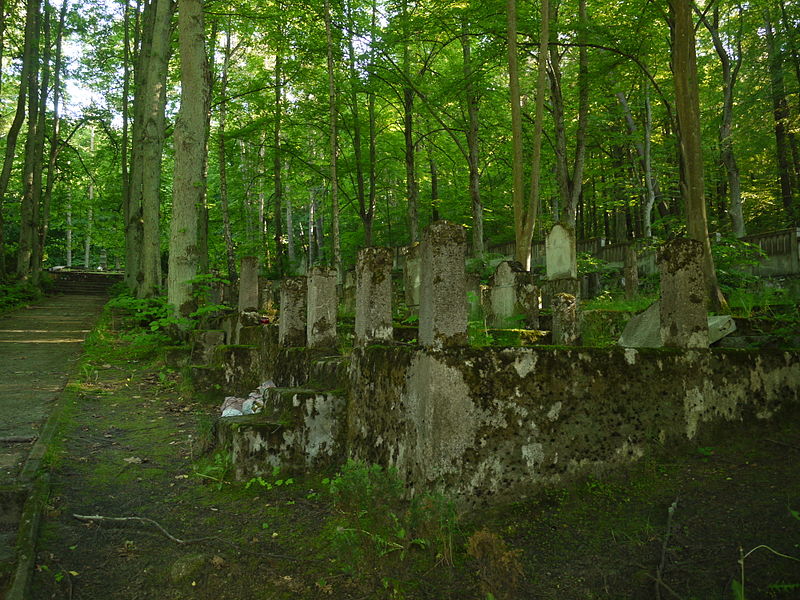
(178, 137)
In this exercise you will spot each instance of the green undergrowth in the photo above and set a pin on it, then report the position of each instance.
(19, 293)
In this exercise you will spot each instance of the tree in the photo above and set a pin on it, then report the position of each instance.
(189, 184)
(687, 104)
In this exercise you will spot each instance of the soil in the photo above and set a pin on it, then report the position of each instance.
(134, 442)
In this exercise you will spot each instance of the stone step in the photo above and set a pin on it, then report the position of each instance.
(300, 429)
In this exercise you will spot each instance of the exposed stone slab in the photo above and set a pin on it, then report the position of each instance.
(373, 296)
(292, 316)
(322, 303)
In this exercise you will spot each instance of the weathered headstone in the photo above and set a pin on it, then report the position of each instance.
(248, 285)
(373, 295)
(631, 272)
(322, 303)
(566, 320)
(644, 330)
(292, 316)
(411, 276)
(514, 297)
(684, 317)
(561, 258)
(349, 293)
(442, 294)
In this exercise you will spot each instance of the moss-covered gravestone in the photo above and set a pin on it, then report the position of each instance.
(683, 313)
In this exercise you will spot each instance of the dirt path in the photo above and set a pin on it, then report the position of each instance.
(39, 345)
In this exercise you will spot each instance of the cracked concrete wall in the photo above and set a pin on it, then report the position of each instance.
(491, 423)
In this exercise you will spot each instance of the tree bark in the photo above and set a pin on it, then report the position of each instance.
(780, 111)
(230, 252)
(684, 67)
(337, 252)
(730, 71)
(280, 242)
(189, 184)
(473, 158)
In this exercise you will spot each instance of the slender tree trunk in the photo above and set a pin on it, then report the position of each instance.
(189, 184)
(87, 240)
(69, 229)
(354, 108)
(29, 60)
(230, 252)
(473, 159)
(28, 207)
(280, 242)
(54, 141)
(155, 98)
(536, 159)
(125, 143)
(337, 253)
(684, 66)
(780, 111)
(369, 217)
(412, 189)
(35, 266)
(730, 70)
(522, 248)
(134, 226)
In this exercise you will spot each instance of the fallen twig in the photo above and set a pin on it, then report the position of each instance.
(660, 569)
(140, 520)
(784, 444)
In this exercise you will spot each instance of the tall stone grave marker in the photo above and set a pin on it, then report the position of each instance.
(292, 316)
(514, 297)
(374, 295)
(442, 294)
(683, 313)
(322, 303)
(248, 285)
(566, 320)
(411, 276)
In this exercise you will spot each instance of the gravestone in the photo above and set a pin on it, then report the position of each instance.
(513, 297)
(373, 295)
(631, 272)
(442, 293)
(683, 313)
(566, 320)
(248, 285)
(411, 276)
(292, 316)
(560, 255)
(349, 293)
(321, 303)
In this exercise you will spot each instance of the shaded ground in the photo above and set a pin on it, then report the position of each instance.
(133, 443)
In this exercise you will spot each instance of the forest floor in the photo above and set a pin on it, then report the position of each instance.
(132, 442)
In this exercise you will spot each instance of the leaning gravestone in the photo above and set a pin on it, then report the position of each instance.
(322, 302)
(373, 295)
(683, 313)
(442, 294)
(644, 330)
(411, 276)
(292, 316)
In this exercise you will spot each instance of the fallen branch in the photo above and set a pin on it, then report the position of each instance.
(784, 444)
(140, 520)
(18, 439)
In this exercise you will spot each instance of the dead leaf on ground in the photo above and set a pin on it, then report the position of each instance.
(133, 460)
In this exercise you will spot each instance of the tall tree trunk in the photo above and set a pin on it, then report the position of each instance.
(87, 240)
(230, 252)
(155, 98)
(473, 159)
(124, 142)
(54, 141)
(69, 229)
(730, 71)
(355, 112)
(522, 248)
(189, 184)
(684, 67)
(780, 111)
(35, 266)
(280, 242)
(28, 208)
(369, 216)
(29, 60)
(337, 252)
(412, 189)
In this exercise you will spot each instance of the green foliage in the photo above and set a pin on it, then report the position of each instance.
(18, 293)
(732, 256)
(268, 485)
(377, 533)
(217, 468)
